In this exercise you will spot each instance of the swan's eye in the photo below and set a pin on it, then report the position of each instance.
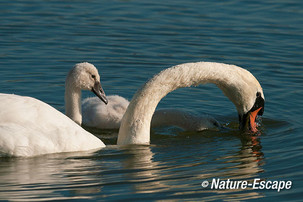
(258, 94)
(93, 76)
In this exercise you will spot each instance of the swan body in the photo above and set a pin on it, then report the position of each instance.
(99, 115)
(182, 119)
(29, 127)
(238, 84)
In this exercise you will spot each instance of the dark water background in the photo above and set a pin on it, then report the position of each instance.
(129, 41)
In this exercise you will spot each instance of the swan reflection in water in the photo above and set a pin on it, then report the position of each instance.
(131, 170)
(149, 172)
(245, 166)
(49, 176)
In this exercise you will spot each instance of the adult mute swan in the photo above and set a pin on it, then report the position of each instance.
(96, 114)
(29, 127)
(238, 84)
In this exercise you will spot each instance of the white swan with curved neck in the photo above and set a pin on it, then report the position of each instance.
(238, 84)
(29, 127)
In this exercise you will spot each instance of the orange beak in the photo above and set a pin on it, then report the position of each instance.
(252, 120)
(248, 120)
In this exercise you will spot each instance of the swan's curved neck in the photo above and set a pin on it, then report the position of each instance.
(73, 102)
(135, 125)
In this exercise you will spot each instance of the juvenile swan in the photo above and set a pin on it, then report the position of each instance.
(238, 84)
(108, 116)
(29, 127)
(104, 116)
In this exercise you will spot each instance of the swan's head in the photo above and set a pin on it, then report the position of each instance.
(85, 76)
(246, 93)
(248, 119)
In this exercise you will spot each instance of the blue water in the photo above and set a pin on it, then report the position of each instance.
(129, 41)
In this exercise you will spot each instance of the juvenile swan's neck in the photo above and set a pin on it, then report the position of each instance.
(73, 101)
(135, 124)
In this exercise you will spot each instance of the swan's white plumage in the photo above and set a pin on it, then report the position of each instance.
(238, 84)
(29, 127)
(183, 119)
(97, 114)
(79, 78)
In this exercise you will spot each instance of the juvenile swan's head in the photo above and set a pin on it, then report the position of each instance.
(85, 76)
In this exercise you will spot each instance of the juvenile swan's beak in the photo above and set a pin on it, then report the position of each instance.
(97, 89)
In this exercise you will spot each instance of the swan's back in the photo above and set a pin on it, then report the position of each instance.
(97, 114)
(185, 120)
(29, 127)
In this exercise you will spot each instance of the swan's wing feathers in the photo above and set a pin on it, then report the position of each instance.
(30, 127)
(97, 114)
